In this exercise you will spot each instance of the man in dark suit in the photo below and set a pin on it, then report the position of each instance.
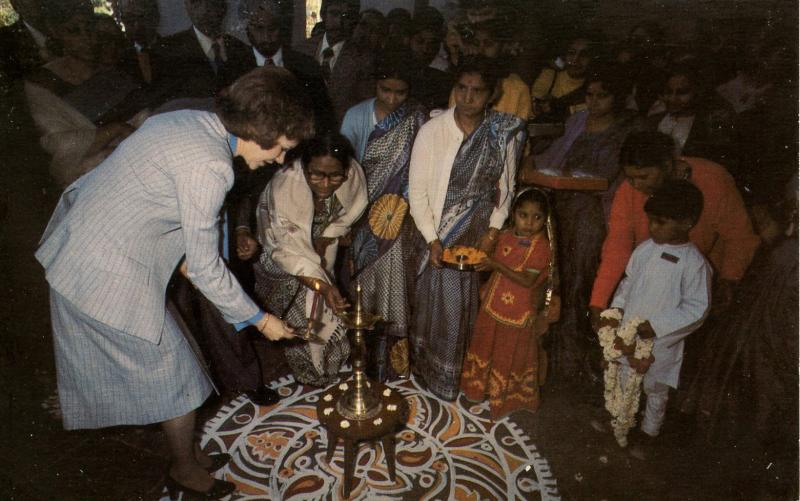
(346, 67)
(141, 18)
(200, 61)
(431, 86)
(265, 30)
(264, 25)
(339, 18)
(196, 64)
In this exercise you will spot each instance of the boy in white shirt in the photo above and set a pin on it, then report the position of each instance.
(668, 284)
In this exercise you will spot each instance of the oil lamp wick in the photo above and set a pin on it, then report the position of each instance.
(316, 301)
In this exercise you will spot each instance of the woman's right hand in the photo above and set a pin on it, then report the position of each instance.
(274, 328)
(436, 251)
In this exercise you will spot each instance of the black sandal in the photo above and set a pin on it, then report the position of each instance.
(218, 490)
(218, 461)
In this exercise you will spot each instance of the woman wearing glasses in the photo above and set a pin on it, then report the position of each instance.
(301, 215)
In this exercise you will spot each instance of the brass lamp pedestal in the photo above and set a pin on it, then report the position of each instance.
(360, 410)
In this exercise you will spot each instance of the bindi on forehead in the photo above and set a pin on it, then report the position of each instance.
(472, 81)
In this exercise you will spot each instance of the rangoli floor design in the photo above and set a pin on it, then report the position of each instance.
(449, 451)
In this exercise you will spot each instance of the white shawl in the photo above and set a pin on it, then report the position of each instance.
(285, 216)
(65, 134)
(289, 204)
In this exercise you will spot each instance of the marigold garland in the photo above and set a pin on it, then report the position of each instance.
(622, 402)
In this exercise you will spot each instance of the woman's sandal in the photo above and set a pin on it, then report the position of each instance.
(218, 490)
(218, 461)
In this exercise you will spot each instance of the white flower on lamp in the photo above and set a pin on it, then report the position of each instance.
(391, 407)
(343, 386)
(328, 411)
(344, 424)
(377, 422)
(387, 392)
(327, 397)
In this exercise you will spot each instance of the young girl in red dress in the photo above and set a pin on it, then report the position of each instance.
(505, 359)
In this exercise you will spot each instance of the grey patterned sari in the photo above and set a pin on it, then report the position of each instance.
(283, 294)
(447, 300)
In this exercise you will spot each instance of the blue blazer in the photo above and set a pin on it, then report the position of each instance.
(119, 231)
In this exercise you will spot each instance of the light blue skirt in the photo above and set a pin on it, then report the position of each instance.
(108, 378)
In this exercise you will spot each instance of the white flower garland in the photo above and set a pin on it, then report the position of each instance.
(622, 402)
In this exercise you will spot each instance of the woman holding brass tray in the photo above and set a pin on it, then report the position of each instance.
(307, 206)
(462, 258)
(458, 155)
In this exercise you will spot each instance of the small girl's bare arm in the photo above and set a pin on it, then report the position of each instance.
(524, 278)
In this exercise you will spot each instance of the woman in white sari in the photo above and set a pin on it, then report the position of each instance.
(302, 213)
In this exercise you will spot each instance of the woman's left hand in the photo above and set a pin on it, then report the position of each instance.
(526, 170)
(540, 325)
(184, 269)
(274, 328)
(488, 241)
(334, 299)
(486, 264)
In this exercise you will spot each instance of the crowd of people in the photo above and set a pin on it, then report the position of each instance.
(392, 138)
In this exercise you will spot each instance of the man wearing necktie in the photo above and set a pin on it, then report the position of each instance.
(343, 64)
(266, 27)
(265, 22)
(196, 64)
(327, 63)
(140, 18)
(200, 61)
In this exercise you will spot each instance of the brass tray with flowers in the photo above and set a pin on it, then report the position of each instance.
(462, 257)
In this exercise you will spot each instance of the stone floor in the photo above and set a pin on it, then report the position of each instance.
(41, 461)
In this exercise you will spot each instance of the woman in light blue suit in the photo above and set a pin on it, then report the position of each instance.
(115, 239)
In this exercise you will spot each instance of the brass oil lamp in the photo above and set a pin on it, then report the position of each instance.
(359, 401)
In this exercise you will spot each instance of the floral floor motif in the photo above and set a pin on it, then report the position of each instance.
(449, 451)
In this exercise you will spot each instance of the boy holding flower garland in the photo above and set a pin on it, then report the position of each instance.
(667, 285)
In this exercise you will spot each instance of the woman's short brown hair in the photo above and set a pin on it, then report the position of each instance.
(265, 104)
